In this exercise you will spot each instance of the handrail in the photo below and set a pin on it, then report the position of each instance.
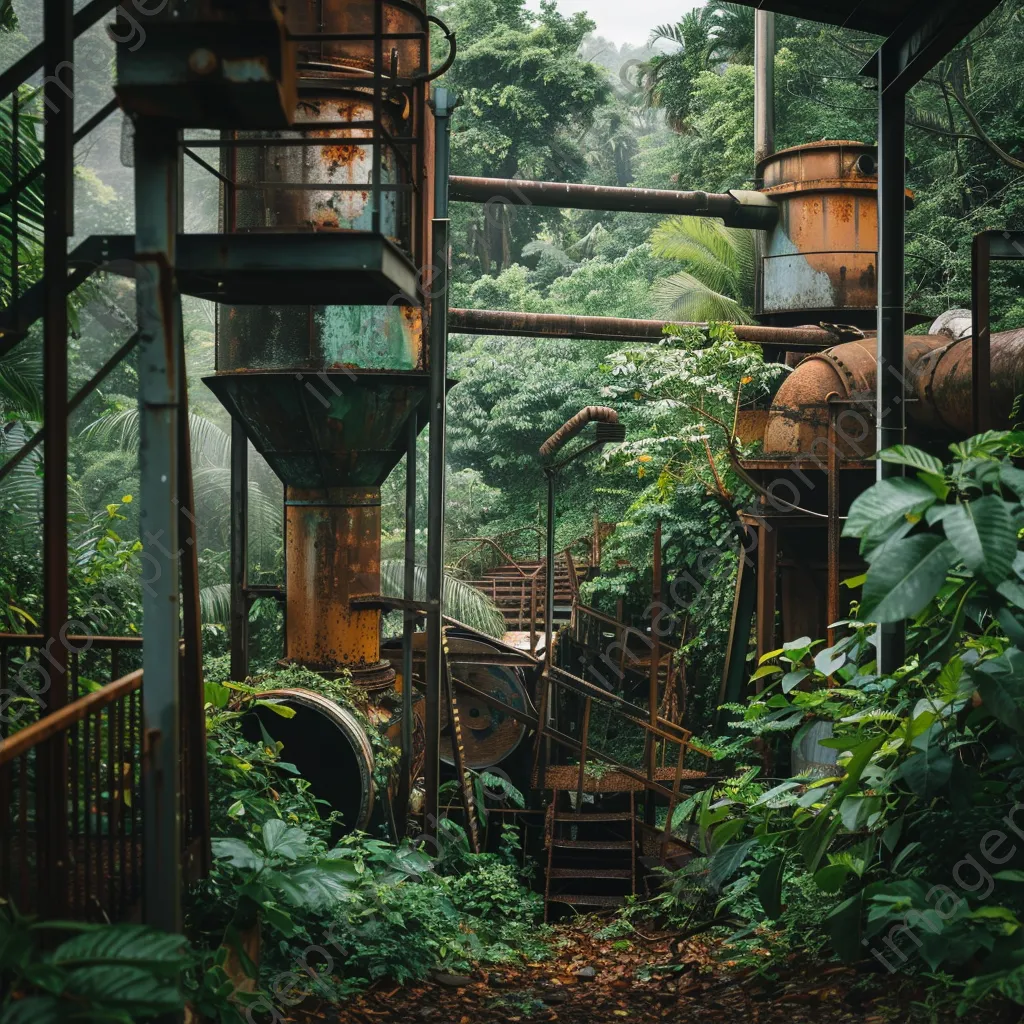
(622, 627)
(63, 718)
(83, 642)
(639, 716)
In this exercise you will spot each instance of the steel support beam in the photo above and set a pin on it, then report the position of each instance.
(924, 37)
(549, 570)
(408, 624)
(443, 103)
(161, 387)
(239, 552)
(58, 198)
(987, 246)
(890, 419)
(738, 209)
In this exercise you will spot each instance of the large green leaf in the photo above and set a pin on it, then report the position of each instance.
(901, 584)
(311, 886)
(289, 842)
(844, 928)
(882, 506)
(238, 853)
(984, 536)
(1001, 685)
(769, 886)
(129, 989)
(35, 1010)
(908, 455)
(728, 861)
(928, 772)
(134, 945)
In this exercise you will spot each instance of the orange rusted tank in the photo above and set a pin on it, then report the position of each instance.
(820, 260)
(333, 558)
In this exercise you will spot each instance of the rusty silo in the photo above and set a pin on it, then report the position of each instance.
(325, 392)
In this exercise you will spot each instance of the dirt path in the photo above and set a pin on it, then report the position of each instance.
(595, 980)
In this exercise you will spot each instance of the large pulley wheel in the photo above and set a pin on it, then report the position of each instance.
(489, 734)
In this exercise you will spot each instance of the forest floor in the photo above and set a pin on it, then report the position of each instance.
(591, 979)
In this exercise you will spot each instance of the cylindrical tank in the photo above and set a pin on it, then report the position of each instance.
(325, 392)
(333, 557)
(938, 379)
(820, 260)
(290, 185)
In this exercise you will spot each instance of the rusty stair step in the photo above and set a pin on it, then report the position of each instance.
(593, 844)
(585, 900)
(590, 873)
(585, 818)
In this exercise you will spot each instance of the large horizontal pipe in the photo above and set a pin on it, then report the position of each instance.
(611, 328)
(937, 377)
(738, 209)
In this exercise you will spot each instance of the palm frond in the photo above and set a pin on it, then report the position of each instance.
(462, 601)
(684, 297)
(676, 237)
(21, 386)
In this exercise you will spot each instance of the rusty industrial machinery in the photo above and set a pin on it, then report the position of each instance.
(329, 393)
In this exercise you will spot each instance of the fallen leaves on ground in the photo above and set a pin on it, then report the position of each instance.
(642, 978)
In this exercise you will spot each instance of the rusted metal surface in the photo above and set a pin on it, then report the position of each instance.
(736, 208)
(607, 328)
(938, 373)
(332, 543)
(331, 749)
(568, 430)
(821, 257)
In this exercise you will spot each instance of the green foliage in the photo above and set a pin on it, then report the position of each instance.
(910, 840)
(718, 283)
(112, 973)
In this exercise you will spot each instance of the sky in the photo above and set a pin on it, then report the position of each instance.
(627, 21)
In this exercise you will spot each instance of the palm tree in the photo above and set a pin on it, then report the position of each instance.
(718, 282)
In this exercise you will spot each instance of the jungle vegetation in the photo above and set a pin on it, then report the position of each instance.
(929, 761)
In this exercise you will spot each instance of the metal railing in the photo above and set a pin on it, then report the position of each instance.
(86, 758)
(663, 741)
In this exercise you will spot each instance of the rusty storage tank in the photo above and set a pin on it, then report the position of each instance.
(819, 261)
(325, 392)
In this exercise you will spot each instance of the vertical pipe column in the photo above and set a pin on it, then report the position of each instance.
(408, 623)
(161, 387)
(764, 126)
(58, 151)
(764, 85)
(891, 217)
(239, 552)
(443, 103)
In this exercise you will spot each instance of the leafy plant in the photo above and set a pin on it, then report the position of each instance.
(111, 973)
(909, 839)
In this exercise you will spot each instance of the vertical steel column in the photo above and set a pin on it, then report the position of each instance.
(981, 334)
(442, 103)
(161, 386)
(890, 375)
(239, 552)
(408, 623)
(549, 569)
(58, 215)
